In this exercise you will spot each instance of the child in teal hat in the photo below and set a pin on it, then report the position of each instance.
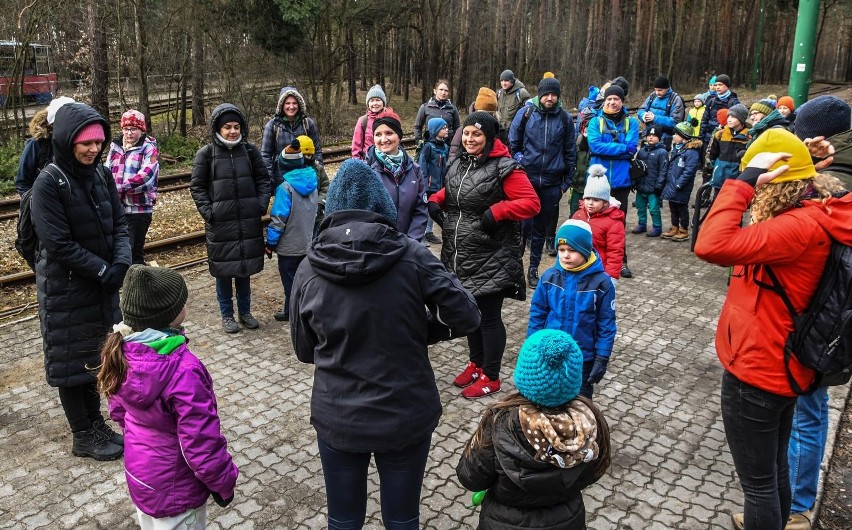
(535, 450)
(578, 297)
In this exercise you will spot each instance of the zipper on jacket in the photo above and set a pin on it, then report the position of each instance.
(458, 222)
(239, 209)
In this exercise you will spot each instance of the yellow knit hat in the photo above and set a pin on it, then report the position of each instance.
(783, 141)
(306, 145)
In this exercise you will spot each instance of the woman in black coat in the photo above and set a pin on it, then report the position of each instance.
(83, 255)
(230, 186)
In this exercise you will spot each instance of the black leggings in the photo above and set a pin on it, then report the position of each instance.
(82, 405)
(622, 195)
(680, 214)
(489, 341)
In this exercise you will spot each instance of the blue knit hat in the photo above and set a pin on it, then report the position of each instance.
(357, 187)
(435, 125)
(823, 116)
(577, 235)
(550, 368)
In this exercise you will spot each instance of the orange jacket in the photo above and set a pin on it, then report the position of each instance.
(754, 322)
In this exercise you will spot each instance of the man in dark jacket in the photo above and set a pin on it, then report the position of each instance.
(358, 314)
(511, 97)
(723, 98)
(542, 139)
(83, 255)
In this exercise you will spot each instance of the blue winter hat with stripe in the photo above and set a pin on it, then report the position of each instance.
(549, 370)
(577, 235)
(357, 187)
(435, 125)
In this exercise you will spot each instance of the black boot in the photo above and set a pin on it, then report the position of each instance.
(94, 444)
(110, 434)
(549, 248)
(532, 277)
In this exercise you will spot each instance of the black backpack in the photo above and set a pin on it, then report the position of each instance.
(822, 335)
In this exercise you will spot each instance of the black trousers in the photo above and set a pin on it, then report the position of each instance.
(488, 343)
(82, 405)
(680, 214)
(137, 228)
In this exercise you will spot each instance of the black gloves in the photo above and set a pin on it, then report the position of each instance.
(268, 250)
(598, 370)
(320, 210)
(436, 330)
(220, 501)
(436, 213)
(114, 277)
(489, 225)
(694, 122)
(750, 175)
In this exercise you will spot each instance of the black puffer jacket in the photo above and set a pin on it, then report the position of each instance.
(523, 492)
(231, 191)
(358, 314)
(81, 228)
(485, 263)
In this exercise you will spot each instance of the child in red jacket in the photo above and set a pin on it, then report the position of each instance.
(602, 212)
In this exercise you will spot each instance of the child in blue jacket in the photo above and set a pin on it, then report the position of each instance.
(649, 187)
(578, 297)
(680, 179)
(291, 227)
(433, 164)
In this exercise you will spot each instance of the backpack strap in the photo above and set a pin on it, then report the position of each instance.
(364, 120)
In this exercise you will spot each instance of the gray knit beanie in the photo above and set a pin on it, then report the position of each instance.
(377, 92)
(738, 111)
(152, 297)
(597, 185)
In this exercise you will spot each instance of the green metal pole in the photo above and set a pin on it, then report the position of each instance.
(803, 51)
(758, 48)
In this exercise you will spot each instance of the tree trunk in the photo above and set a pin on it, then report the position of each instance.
(142, 59)
(199, 116)
(100, 69)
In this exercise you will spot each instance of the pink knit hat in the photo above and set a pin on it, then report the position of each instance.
(133, 118)
(91, 132)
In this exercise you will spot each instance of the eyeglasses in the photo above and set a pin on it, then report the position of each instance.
(752, 113)
(128, 130)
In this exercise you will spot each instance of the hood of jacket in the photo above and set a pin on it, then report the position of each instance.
(221, 109)
(355, 247)
(834, 216)
(303, 180)
(515, 87)
(286, 92)
(70, 119)
(152, 358)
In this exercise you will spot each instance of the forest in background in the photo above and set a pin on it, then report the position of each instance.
(123, 51)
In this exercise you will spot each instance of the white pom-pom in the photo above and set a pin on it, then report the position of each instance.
(597, 170)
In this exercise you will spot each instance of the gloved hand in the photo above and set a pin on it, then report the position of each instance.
(598, 370)
(114, 277)
(489, 225)
(268, 251)
(436, 213)
(750, 175)
(220, 501)
(694, 122)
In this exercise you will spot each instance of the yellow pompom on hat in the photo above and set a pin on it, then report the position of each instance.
(783, 141)
(548, 75)
(306, 145)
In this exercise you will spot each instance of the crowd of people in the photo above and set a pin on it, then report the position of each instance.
(492, 183)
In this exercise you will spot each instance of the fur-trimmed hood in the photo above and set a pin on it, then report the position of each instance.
(290, 91)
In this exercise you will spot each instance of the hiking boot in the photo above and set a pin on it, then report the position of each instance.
(549, 248)
(92, 443)
(532, 277)
(800, 521)
(682, 235)
(640, 229)
(281, 316)
(249, 321)
(671, 233)
(468, 376)
(655, 231)
(230, 325)
(432, 238)
(110, 434)
(481, 388)
(625, 271)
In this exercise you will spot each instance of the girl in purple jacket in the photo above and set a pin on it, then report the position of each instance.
(161, 395)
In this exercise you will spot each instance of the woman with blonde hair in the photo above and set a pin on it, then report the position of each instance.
(796, 213)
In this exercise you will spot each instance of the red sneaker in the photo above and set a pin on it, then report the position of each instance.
(482, 387)
(469, 376)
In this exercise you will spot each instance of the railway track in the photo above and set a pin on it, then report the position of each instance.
(177, 181)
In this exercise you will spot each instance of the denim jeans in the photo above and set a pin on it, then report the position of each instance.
(757, 427)
(536, 228)
(807, 445)
(137, 229)
(400, 481)
(225, 295)
(646, 202)
(287, 266)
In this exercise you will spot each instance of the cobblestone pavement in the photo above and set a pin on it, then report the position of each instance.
(671, 467)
